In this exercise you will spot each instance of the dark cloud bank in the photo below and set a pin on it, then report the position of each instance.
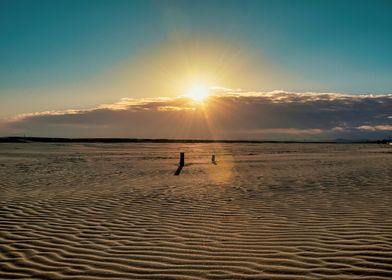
(233, 115)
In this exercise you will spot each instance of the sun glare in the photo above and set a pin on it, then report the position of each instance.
(198, 93)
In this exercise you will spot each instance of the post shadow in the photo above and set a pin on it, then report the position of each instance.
(178, 171)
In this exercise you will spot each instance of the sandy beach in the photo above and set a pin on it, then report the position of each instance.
(264, 211)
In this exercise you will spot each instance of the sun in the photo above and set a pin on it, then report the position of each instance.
(198, 93)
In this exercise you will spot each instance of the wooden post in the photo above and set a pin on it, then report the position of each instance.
(181, 164)
(182, 159)
(213, 159)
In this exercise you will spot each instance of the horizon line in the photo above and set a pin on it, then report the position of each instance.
(39, 139)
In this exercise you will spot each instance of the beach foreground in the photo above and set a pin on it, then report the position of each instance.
(264, 211)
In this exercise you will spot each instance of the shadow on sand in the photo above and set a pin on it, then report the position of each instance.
(178, 171)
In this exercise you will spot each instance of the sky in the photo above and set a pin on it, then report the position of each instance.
(65, 63)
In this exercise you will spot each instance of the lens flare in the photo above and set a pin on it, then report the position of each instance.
(198, 93)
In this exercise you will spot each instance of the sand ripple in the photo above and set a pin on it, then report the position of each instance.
(264, 212)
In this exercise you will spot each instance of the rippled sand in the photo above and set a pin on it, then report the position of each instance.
(92, 211)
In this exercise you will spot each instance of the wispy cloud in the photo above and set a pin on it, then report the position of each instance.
(375, 127)
(228, 113)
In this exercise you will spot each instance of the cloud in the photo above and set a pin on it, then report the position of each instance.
(228, 114)
(375, 127)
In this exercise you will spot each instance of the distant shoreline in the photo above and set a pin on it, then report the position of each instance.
(16, 139)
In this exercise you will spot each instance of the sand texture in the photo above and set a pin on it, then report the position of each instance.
(265, 211)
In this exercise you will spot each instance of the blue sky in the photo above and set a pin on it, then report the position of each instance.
(340, 45)
(57, 55)
(47, 42)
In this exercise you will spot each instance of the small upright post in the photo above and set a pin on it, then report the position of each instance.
(213, 160)
(182, 159)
